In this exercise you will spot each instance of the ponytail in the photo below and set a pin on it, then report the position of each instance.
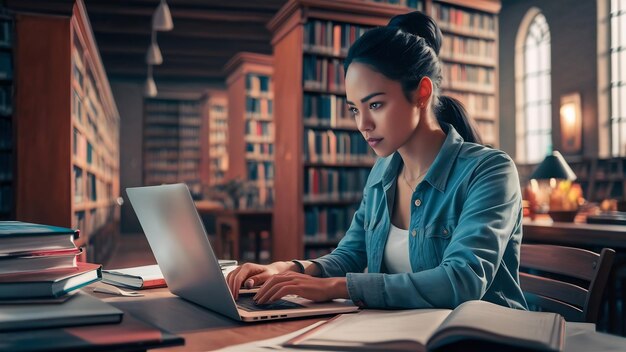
(450, 110)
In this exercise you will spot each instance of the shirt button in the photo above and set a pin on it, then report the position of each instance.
(418, 202)
(414, 233)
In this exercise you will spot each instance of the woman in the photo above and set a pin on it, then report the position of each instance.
(440, 219)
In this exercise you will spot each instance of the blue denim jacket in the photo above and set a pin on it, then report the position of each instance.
(464, 234)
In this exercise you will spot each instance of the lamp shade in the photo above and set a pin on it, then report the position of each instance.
(554, 166)
(150, 89)
(162, 19)
(153, 56)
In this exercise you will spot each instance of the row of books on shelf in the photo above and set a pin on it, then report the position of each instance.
(326, 110)
(259, 108)
(218, 136)
(259, 128)
(91, 220)
(260, 149)
(256, 247)
(219, 164)
(455, 47)
(6, 166)
(330, 38)
(172, 164)
(219, 124)
(86, 185)
(6, 32)
(322, 73)
(175, 107)
(454, 18)
(260, 170)
(457, 75)
(334, 184)
(486, 130)
(6, 99)
(6, 66)
(257, 84)
(336, 146)
(476, 104)
(6, 134)
(327, 224)
(6, 198)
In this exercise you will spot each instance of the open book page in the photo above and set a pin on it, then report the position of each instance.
(146, 272)
(388, 330)
(486, 321)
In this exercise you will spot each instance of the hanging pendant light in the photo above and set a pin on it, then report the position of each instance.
(153, 56)
(162, 19)
(150, 89)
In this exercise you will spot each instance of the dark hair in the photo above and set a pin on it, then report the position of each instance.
(406, 50)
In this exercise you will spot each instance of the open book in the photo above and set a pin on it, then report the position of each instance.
(474, 325)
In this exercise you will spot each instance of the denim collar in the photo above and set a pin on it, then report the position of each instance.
(439, 171)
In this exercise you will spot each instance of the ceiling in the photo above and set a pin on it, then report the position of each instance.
(206, 34)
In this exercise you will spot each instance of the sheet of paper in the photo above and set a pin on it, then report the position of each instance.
(273, 344)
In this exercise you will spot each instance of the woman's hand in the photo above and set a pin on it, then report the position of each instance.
(306, 286)
(250, 274)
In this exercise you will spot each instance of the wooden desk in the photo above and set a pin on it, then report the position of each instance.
(204, 330)
(593, 237)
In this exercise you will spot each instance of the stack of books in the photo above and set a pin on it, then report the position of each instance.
(39, 261)
(39, 276)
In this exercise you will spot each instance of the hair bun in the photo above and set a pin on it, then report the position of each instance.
(419, 24)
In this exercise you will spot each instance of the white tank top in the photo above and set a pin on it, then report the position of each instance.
(396, 254)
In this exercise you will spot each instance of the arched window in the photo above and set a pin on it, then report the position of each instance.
(533, 89)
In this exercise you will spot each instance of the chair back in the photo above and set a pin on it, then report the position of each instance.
(565, 280)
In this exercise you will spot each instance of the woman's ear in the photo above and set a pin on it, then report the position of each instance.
(423, 92)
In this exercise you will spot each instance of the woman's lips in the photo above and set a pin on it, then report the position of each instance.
(373, 141)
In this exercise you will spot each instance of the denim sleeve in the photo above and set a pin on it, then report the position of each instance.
(350, 255)
(471, 260)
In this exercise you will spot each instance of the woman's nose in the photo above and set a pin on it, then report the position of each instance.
(364, 122)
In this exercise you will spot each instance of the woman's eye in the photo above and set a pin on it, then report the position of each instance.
(353, 110)
(374, 106)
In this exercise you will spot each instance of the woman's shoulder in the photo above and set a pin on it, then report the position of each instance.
(479, 154)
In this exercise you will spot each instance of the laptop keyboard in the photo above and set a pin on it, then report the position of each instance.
(246, 303)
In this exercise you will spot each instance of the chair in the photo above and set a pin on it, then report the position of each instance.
(565, 280)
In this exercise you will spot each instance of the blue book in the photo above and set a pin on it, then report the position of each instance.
(23, 237)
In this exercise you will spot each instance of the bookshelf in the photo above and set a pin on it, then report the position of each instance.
(172, 142)
(322, 162)
(250, 111)
(67, 130)
(7, 149)
(214, 138)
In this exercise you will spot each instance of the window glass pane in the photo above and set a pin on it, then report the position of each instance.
(545, 56)
(621, 64)
(614, 103)
(614, 138)
(546, 118)
(622, 103)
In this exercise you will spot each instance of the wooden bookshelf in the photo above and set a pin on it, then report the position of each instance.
(322, 161)
(214, 138)
(172, 142)
(7, 147)
(250, 119)
(67, 130)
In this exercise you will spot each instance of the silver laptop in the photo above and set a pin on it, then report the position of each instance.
(180, 244)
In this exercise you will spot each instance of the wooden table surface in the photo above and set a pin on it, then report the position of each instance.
(202, 329)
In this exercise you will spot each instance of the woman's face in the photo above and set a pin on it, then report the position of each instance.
(383, 115)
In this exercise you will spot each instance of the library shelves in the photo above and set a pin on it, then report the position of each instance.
(251, 126)
(171, 143)
(321, 160)
(7, 147)
(67, 130)
(214, 140)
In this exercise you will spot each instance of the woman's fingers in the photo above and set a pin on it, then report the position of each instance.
(275, 286)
